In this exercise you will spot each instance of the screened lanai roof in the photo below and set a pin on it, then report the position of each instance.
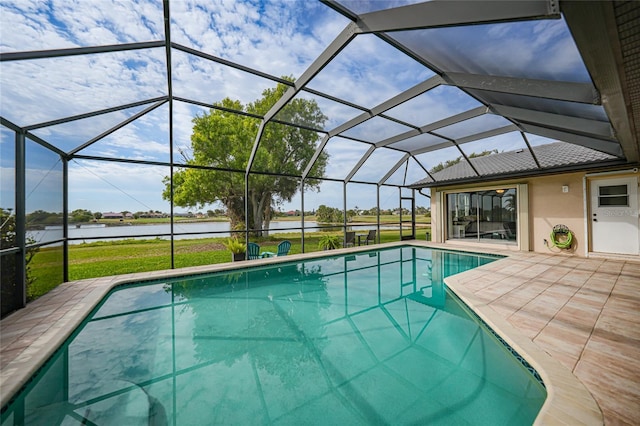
(404, 85)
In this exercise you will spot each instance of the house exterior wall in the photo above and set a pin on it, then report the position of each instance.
(547, 206)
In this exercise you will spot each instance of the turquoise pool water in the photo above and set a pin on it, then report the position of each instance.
(366, 339)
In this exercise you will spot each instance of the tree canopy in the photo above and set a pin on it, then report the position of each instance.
(221, 145)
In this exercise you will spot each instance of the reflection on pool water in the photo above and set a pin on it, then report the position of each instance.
(369, 338)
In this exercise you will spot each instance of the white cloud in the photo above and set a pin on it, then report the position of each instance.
(47, 89)
(506, 142)
(68, 136)
(266, 35)
(144, 139)
(43, 189)
(276, 37)
(23, 27)
(209, 82)
(372, 171)
(376, 129)
(7, 187)
(434, 105)
(182, 126)
(369, 71)
(335, 112)
(343, 156)
(331, 195)
(38, 25)
(107, 186)
(108, 22)
(433, 158)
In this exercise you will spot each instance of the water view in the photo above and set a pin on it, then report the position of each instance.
(101, 232)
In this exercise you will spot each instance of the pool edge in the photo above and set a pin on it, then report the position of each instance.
(568, 401)
(45, 336)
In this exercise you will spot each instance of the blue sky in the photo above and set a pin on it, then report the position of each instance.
(274, 37)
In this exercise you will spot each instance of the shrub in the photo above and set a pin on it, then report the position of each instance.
(329, 242)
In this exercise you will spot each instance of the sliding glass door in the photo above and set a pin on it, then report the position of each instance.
(485, 215)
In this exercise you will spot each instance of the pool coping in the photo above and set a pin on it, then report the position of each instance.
(53, 317)
(568, 400)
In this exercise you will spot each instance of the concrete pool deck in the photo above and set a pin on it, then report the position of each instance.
(576, 320)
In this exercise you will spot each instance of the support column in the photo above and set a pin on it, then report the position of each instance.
(65, 218)
(20, 296)
(302, 212)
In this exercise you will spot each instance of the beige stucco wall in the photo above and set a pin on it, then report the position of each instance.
(548, 206)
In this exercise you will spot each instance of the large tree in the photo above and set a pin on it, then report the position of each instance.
(222, 142)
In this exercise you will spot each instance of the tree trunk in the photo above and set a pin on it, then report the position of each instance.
(235, 210)
(267, 214)
(256, 211)
(261, 212)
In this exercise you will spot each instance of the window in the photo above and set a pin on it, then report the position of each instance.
(614, 195)
(487, 215)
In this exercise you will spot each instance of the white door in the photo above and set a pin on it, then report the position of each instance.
(614, 216)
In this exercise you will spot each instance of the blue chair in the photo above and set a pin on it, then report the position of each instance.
(253, 251)
(283, 250)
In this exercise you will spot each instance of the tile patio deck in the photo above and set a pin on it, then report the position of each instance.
(568, 316)
(585, 313)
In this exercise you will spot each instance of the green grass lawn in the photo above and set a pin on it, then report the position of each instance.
(105, 258)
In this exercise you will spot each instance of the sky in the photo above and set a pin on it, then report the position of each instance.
(279, 38)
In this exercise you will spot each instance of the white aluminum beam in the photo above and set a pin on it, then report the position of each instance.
(94, 113)
(603, 58)
(228, 63)
(408, 94)
(475, 112)
(364, 158)
(117, 127)
(533, 154)
(563, 123)
(394, 168)
(73, 51)
(472, 113)
(608, 147)
(339, 43)
(559, 90)
(315, 156)
(488, 134)
(451, 13)
(447, 144)
(398, 138)
(466, 139)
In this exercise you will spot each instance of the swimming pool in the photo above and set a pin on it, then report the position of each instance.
(368, 338)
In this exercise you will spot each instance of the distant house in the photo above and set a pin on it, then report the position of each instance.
(112, 215)
(154, 215)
